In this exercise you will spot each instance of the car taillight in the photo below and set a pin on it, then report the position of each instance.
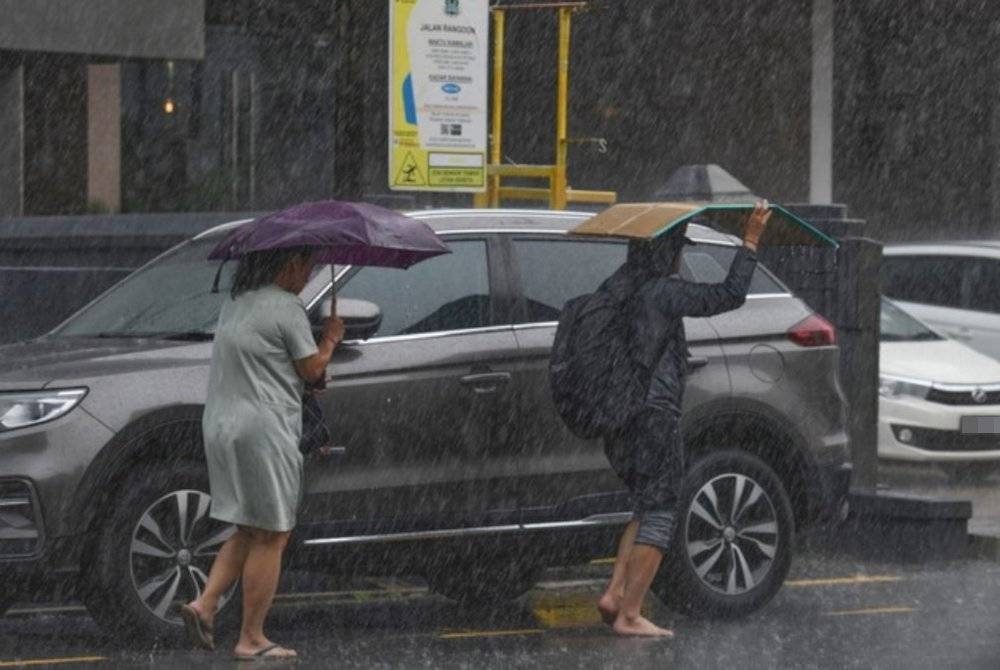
(813, 331)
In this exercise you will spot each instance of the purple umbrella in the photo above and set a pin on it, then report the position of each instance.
(344, 233)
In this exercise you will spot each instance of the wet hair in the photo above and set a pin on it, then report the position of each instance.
(260, 268)
(656, 257)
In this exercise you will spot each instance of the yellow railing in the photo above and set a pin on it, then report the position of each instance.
(557, 192)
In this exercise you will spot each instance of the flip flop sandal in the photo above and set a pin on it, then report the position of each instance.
(265, 655)
(199, 631)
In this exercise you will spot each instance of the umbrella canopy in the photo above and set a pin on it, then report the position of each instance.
(344, 233)
(649, 220)
(704, 183)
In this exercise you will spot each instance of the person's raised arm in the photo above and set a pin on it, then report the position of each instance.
(684, 298)
(313, 368)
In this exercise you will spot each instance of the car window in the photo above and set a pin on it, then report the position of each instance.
(450, 292)
(982, 281)
(173, 294)
(932, 280)
(709, 264)
(895, 325)
(554, 271)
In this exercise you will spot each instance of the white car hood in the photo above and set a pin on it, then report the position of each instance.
(941, 361)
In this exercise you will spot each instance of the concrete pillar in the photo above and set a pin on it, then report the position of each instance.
(11, 140)
(104, 135)
(821, 122)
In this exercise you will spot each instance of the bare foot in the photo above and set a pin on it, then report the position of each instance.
(608, 606)
(269, 650)
(640, 627)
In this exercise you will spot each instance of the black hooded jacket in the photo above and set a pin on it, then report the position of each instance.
(657, 301)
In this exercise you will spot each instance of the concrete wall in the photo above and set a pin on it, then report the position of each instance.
(130, 28)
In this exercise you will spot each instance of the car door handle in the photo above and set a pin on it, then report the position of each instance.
(695, 362)
(486, 382)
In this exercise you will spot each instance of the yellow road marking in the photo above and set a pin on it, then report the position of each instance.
(603, 561)
(52, 661)
(873, 610)
(463, 635)
(842, 581)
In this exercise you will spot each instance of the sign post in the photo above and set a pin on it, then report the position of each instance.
(438, 55)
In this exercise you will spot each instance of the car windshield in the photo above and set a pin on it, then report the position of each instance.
(169, 298)
(898, 326)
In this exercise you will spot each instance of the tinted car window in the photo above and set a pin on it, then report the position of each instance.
(450, 292)
(174, 294)
(554, 271)
(982, 278)
(933, 280)
(709, 264)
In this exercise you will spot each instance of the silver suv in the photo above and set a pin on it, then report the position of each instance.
(450, 462)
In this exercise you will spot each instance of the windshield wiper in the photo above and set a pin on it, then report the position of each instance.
(184, 336)
(180, 336)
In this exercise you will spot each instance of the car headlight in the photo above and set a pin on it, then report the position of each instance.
(19, 410)
(894, 387)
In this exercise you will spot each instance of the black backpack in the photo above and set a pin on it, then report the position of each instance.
(594, 381)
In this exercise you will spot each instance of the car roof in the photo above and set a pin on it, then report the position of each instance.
(505, 220)
(982, 248)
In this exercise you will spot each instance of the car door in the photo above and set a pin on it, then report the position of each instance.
(554, 465)
(414, 410)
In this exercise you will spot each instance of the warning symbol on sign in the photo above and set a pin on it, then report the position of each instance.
(409, 173)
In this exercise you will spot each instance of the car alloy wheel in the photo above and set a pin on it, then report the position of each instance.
(731, 534)
(172, 549)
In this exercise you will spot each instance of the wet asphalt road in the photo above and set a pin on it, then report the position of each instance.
(833, 613)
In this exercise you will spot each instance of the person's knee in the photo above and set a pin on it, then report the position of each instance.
(267, 538)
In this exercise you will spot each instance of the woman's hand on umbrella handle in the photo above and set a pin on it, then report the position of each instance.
(756, 224)
(334, 330)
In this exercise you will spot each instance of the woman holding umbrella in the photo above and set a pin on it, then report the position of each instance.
(264, 354)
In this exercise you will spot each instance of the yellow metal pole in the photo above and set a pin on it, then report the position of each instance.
(496, 144)
(558, 199)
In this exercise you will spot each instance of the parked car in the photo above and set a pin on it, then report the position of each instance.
(952, 287)
(450, 461)
(939, 400)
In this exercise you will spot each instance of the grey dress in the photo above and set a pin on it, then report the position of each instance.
(253, 416)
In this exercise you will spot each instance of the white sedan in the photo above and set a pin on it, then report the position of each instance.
(939, 400)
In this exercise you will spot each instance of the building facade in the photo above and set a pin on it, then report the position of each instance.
(889, 106)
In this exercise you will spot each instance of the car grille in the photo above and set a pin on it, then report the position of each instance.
(947, 440)
(20, 525)
(963, 397)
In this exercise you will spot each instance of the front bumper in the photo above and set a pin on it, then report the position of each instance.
(912, 429)
(40, 471)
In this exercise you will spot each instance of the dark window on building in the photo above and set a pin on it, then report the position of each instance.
(450, 292)
(932, 280)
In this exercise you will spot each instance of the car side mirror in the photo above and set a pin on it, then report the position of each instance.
(362, 319)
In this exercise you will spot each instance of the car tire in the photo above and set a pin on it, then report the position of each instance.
(489, 584)
(970, 473)
(154, 549)
(721, 569)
